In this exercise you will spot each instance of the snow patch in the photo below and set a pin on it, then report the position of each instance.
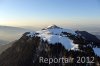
(97, 51)
(31, 34)
(65, 41)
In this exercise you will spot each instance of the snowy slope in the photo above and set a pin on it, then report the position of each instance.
(97, 51)
(53, 34)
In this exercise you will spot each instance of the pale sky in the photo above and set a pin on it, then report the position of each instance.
(47, 12)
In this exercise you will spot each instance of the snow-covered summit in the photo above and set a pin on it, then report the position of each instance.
(53, 27)
(54, 34)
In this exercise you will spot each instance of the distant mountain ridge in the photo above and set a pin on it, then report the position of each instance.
(9, 33)
(51, 42)
(11, 28)
(3, 42)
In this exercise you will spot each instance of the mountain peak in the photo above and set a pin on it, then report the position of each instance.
(52, 42)
(53, 27)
